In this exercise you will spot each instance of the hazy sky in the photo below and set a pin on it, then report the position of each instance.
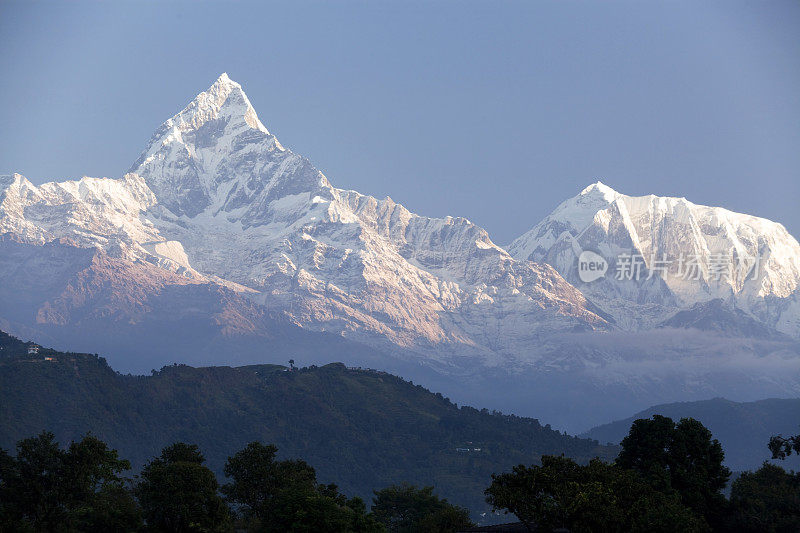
(496, 111)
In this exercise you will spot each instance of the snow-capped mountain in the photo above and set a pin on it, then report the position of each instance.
(216, 198)
(668, 254)
(220, 246)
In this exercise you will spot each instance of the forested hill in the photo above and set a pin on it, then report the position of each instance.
(743, 428)
(362, 429)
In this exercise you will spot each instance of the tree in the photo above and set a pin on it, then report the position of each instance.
(406, 508)
(596, 497)
(112, 509)
(767, 500)
(45, 488)
(681, 457)
(782, 447)
(284, 495)
(254, 477)
(538, 496)
(614, 499)
(9, 514)
(35, 490)
(106, 502)
(179, 494)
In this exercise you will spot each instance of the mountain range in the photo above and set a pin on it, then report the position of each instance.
(222, 246)
(685, 254)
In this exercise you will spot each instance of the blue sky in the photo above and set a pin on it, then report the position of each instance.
(496, 111)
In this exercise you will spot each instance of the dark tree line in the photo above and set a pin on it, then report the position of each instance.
(44, 488)
(400, 431)
(668, 477)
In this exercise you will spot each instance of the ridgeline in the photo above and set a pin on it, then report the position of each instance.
(362, 429)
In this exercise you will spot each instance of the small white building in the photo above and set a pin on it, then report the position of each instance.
(33, 349)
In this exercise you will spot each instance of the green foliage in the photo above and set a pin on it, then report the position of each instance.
(407, 509)
(651, 488)
(537, 495)
(179, 494)
(45, 488)
(682, 457)
(668, 477)
(767, 500)
(284, 495)
(782, 447)
(180, 452)
(113, 508)
(255, 479)
(361, 429)
(596, 497)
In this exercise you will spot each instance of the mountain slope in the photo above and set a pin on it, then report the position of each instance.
(336, 259)
(145, 316)
(216, 198)
(744, 429)
(717, 316)
(695, 253)
(362, 429)
(222, 246)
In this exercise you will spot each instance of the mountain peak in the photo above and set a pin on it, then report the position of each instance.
(225, 99)
(599, 188)
(223, 87)
(13, 180)
(742, 258)
(224, 79)
(191, 156)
